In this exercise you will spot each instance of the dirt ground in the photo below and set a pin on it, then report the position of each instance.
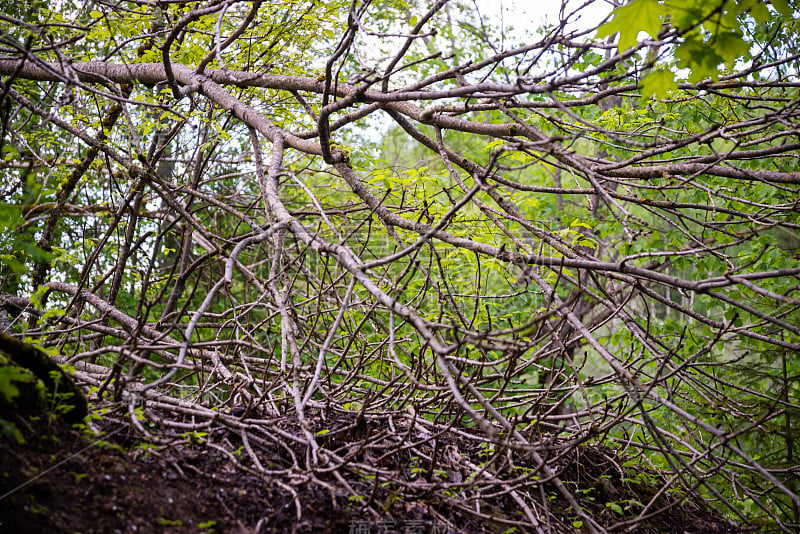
(65, 480)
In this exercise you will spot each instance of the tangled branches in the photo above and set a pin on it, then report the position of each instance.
(532, 256)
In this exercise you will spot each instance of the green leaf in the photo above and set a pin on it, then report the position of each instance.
(782, 7)
(730, 46)
(629, 20)
(658, 83)
(701, 59)
(10, 374)
(758, 10)
(7, 428)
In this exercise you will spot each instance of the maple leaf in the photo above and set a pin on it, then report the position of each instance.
(629, 20)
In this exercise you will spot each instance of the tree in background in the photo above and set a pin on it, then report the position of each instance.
(583, 233)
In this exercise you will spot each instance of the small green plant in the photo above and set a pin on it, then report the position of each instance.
(207, 527)
(486, 449)
(36, 508)
(146, 448)
(418, 471)
(169, 522)
(61, 404)
(195, 437)
(390, 500)
(630, 504)
(641, 478)
(109, 446)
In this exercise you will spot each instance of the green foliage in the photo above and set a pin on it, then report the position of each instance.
(9, 374)
(630, 19)
(13, 399)
(17, 247)
(712, 33)
(658, 83)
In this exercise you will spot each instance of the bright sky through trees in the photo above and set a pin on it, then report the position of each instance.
(526, 16)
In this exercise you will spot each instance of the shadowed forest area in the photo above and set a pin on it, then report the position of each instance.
(399, 266)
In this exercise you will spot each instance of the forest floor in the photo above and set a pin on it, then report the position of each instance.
(65, 480)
